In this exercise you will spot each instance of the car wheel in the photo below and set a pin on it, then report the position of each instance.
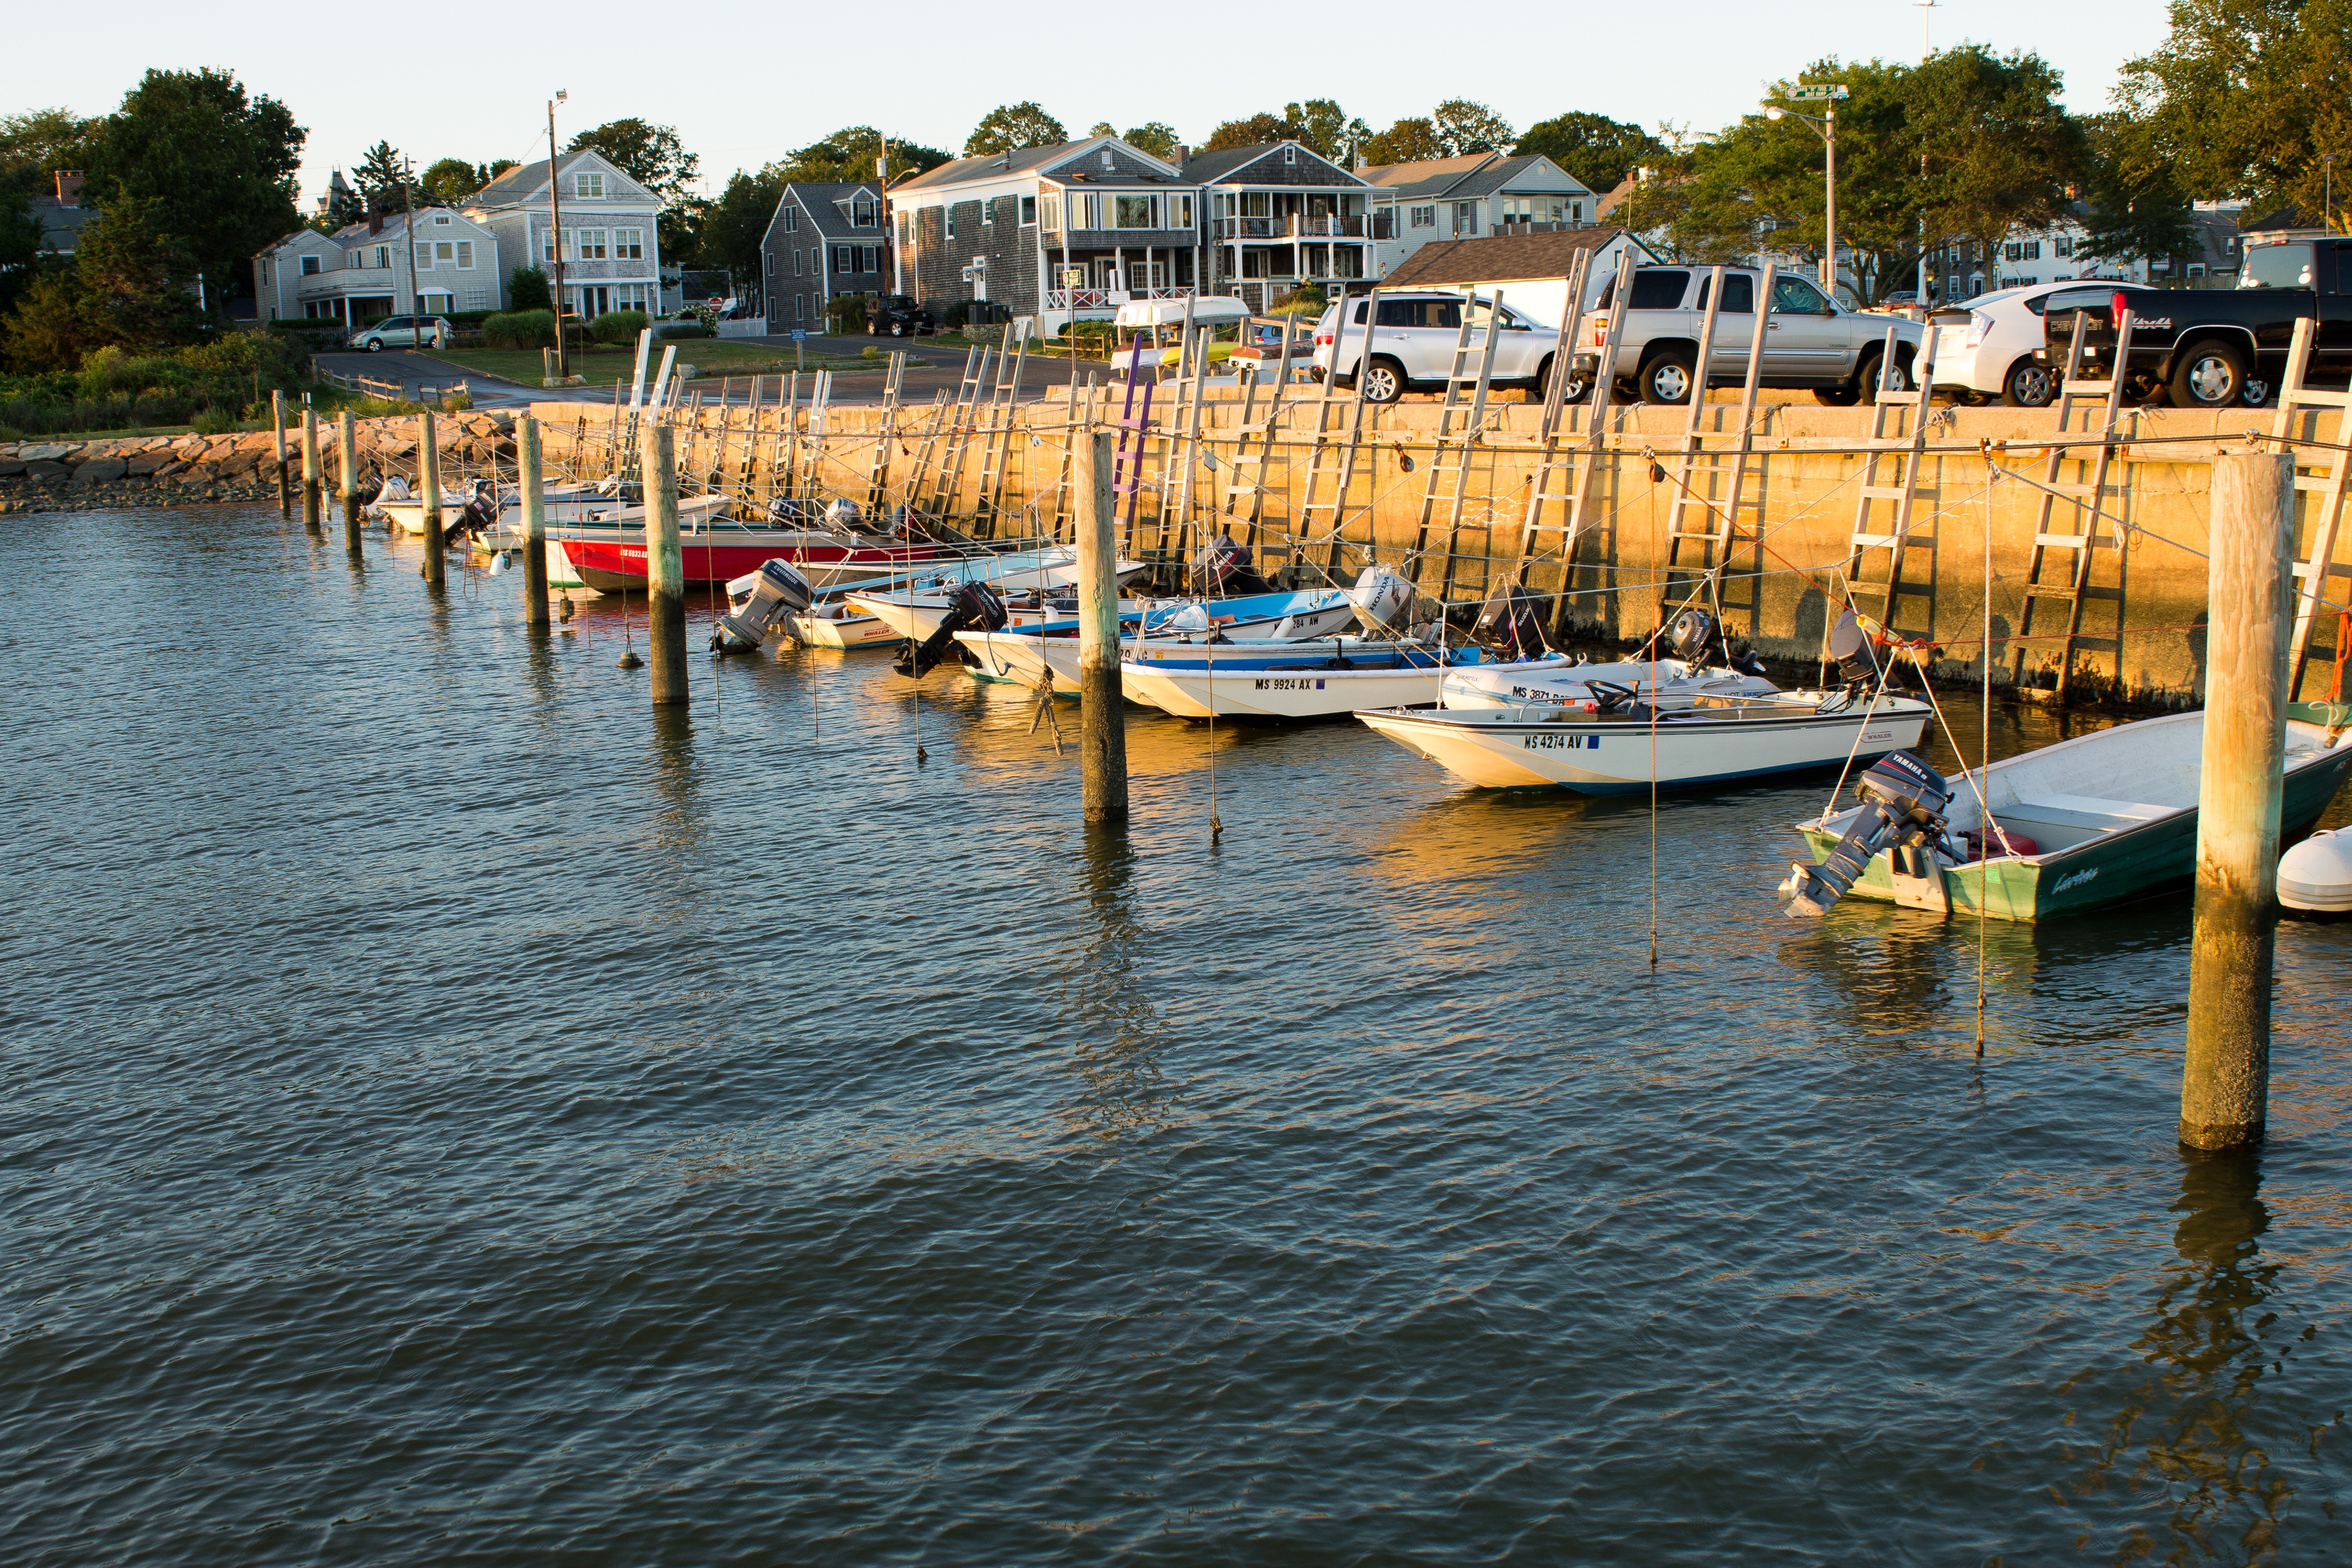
(1841, 395)
(1866, 387)
(2210, 375)
(1668, 377)
(1384, 382)
(2029, 384)
(375, 345)
(2257, 392)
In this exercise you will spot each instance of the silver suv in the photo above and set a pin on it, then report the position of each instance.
(1413, 339)
(1809, 341)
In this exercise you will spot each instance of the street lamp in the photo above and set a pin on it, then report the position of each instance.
(555, 236)
(1828, 93)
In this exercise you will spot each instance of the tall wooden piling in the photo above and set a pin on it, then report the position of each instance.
(428, 478)
(278, 445)
(2225, 1079)
(664, 566)
(312, 485)
(347, 461)
(534, 524)
(1102, 745)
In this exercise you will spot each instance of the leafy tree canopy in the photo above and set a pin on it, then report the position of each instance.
(738, 220)
(1466, 127)
(1154, 138)
(1258, 128)
(216, 164)
(1597, 150)
(452, 180)
(130, 284)
(652, 156)
(36, 144)
(1009, 126)
(381, 179)
(1408, 141)
(1321, 123)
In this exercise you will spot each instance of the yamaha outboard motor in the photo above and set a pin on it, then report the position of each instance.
(976, 608)
(1698, 641)
(1903, 802)
(1223, 567)
(1510, 622)
(1384, 601)
(760, 600)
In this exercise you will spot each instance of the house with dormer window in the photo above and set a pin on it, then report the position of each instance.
(1479, 194)
(1279, 215)
(600, 222)
(364, 270)
(827, 239)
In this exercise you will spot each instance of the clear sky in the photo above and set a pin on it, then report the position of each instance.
(745, 83)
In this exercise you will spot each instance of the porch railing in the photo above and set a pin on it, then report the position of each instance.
(1100, 299)
(1290, 227)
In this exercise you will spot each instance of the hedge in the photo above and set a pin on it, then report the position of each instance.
(619, 326)
(520, 329)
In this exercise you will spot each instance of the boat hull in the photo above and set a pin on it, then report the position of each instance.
(1196, 691)
(615, 561)
(1495, 750)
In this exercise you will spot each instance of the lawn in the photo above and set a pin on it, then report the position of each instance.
(602, 365)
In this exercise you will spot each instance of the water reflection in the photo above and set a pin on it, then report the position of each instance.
(670, 749)
(2192, 1432)
(1121, 1087)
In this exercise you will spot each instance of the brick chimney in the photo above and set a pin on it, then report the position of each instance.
(1184, 156)
(69, 187)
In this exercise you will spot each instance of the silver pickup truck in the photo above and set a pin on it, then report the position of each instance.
(1809, 341)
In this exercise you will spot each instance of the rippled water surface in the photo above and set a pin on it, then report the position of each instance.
(453, 1116)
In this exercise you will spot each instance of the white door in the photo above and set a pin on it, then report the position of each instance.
(1805, 339)
(1735, 326)
(1420, 334)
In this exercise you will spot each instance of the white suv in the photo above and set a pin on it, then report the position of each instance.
(1809, 341)
(1413, 339)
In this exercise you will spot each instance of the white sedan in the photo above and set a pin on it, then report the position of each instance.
(1984, 348)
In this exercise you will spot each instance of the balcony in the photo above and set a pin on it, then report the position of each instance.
(1101, 299)
(1294, 226)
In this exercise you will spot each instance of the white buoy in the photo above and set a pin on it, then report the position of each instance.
(2316, 874)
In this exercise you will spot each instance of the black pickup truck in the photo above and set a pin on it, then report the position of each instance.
(2215, 348)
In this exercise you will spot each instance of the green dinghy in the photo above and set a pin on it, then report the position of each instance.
(2113, 816)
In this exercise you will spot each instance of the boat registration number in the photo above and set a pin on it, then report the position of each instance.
(1296, 683)
(1560, 742)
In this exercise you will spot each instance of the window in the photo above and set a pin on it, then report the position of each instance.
(265, 273)
(1576, 212)
(1258, 203)
(592, 244)
(988, 211)
(352, 261)
(1108, 160)
(383, 256)
(309, 266)
(2063, 246)
(800, 307)
(2014, 251)
(1028, 212)
(768, 263)
(445, 253)
(628, 245)
(465, 255)
(629, 297)
(869, 258)
(442, 219)
(800, 268)
(1466, 217)
(478, 299)
(792, 220)
(1053, 212)
(2032, 252)
(950, 212)
(1445, 313)
(1133, 211)
(548, 245)
(861, 213)
(588, 186)
(1739, 295)
(1658, 288)
(424, 259)
(1289, 154)
(1424, 217)
(845, 259)
(2276, 266)
(1181, 211)
(1790, 297)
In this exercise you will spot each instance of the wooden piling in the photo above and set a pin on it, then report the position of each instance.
(664, 566)
(428, 479)
(534, 524)
(1102, 746)
(314, 485)
(347, 455)
(278, 442)
(2225, 1078)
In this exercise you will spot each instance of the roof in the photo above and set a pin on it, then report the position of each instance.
(61, 226)
(1499, 259)
(1427, 176)
(1027, 160)
(396, 225)
(523, 181)
(2286, 220)
(817, 199)
(1209, 168)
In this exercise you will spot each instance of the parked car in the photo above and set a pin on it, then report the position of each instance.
(1991, 347)
(403, 332)
(2214, 348)
(1413, 344)
(897, 316)
(1812, 342)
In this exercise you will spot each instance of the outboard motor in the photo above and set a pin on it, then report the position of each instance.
(1223, 567)
(842, 514)
(1383, 600)
(976, 608)
(1509, 620)
(1903, 802)
(1856, 658)
(759, 600)
(479, 513)
(1698, 641)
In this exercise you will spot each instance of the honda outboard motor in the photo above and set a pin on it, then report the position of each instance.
(976, 608)
(1383, 600)
(1903, 802)
(759, 599)
(1509, 620)
(1223, 567)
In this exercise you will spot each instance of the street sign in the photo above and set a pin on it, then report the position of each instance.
(1814, 91)
(800, 335)
(1073, 276)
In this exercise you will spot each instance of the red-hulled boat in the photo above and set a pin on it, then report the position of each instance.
(610, 552)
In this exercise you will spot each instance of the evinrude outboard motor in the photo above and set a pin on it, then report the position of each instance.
(759, 599)
(1223, 567)
(1509, 621)
(1698, 641)
(1903, 802)
(1383, 600)
(976, 608)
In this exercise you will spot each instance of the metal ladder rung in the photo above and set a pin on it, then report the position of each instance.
(2075, 540)
(1888, 492)
(1875, 541)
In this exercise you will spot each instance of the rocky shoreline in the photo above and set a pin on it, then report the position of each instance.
(113, 472)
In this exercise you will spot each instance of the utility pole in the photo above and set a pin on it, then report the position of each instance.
(555, 232)
(415, 284)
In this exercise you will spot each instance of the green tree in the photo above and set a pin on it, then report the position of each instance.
(20, 246)
(132, 283)
(849, 154)
(655, 158)
(2001, 151)
(1597, 150)
(1252, 132)
(1466, 127)
(34, 145)
(451, 180)
(1010, 127)
(382, 180)
(216, 164)
(528, 290)
(1407, 141)
(1322, 124)
(738, 220)
(1155, 138)
(2136, 207)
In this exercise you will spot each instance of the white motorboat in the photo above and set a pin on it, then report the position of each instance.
(1027, 658)
(1307, 683)
(1632, 743)
(1665, 683)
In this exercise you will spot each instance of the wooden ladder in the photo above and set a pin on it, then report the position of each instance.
(1458, 424)
(886, 436)
(1894, 535)
(2059, 571)
(1250, 465)
(1577, 466)
(1333, 463)
(2324, 511)
(961, 414)
(1695, 528)
(996, 447)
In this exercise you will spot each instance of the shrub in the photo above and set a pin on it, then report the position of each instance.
(847, 312)
(528, 290)
(684, 329)
(619, 326)
(1308, 301)
(520, 329)
(953, 318)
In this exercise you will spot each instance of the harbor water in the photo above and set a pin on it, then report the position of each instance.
(456, 1115)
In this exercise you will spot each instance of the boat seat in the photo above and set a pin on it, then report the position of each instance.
(2083, 811)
